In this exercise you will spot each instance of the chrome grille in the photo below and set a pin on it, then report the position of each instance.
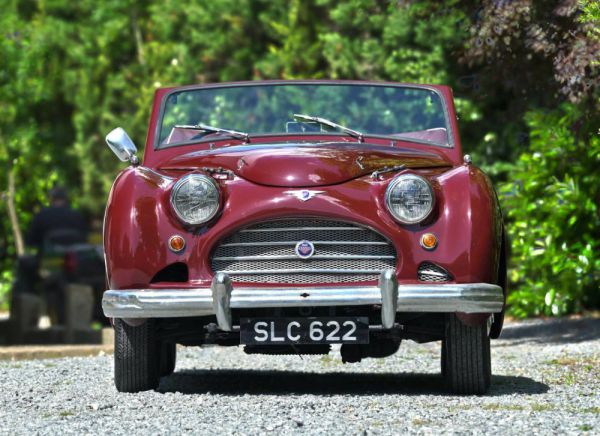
(265, 253)
(430, 272)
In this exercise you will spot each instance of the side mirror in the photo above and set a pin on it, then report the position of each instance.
(121, 144)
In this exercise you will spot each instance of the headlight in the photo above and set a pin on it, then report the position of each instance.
(195, 199)
(409, 198)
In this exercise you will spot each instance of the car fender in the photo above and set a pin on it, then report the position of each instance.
(137, 226)
(472, 220)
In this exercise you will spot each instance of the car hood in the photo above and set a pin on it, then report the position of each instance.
(305, 165)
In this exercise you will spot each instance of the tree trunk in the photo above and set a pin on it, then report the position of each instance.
(12, 212)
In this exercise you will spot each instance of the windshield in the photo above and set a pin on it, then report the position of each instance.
(416, 114)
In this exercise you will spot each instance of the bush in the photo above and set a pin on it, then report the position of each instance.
(6, 278)
(551, 202)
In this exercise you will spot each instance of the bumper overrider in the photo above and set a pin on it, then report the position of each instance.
(221, 297)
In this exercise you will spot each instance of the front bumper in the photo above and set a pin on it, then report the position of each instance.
(220, 298)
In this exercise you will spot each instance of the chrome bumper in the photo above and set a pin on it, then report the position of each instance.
(220, 298)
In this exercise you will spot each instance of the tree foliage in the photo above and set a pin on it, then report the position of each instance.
(553, 205)
(71, 71)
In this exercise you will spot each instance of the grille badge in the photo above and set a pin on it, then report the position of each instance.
(305, 249)
(304, 195)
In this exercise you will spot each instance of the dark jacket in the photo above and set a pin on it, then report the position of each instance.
(62, 225)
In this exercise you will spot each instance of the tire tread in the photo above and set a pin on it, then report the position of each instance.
(136, 362)
(466, 357)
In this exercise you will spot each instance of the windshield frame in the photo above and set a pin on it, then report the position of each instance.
(450, 133)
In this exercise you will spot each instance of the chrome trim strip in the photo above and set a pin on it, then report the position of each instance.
(440, 298)
(293, 257)
(297, 229)
(432, 272)
(158, 127)
(302, 271)
(292, 243)
(249, 298)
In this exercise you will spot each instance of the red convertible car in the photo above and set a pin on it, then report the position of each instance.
(287, 216)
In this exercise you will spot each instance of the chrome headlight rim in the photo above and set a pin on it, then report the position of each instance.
(390, 189)
(177, 186)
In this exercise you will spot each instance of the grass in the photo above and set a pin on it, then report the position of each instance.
(569, 379)
(585, 427)
(585, 361)
(563, 361)
(570, 370)
(541, 407)
(327, 360)
(66, 413)
(533, 407)
(497, 406)
(459, 407)
(419, 422)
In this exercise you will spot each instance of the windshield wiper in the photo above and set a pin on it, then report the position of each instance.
(211, 129)
(325, 122)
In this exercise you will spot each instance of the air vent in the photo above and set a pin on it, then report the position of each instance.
(430, 272)
(176, 272)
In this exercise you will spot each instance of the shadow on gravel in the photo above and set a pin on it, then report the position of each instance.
(555, 331)
(247, 382)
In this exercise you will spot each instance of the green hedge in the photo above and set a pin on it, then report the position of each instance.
(551, 202)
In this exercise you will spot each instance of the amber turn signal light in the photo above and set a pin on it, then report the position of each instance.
(429, 241)
(176, 243)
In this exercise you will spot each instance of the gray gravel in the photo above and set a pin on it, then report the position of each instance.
(547, 380)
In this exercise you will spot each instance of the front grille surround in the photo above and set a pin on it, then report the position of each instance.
(265, 253)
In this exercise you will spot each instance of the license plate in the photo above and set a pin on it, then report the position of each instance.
(274, 331)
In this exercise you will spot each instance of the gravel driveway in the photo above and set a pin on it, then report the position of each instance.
(547, 380)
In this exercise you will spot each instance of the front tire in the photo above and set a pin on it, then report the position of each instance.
(466, 357)
(136, 357)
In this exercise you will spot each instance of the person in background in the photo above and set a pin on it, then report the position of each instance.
(58, 224)
(52, 231)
